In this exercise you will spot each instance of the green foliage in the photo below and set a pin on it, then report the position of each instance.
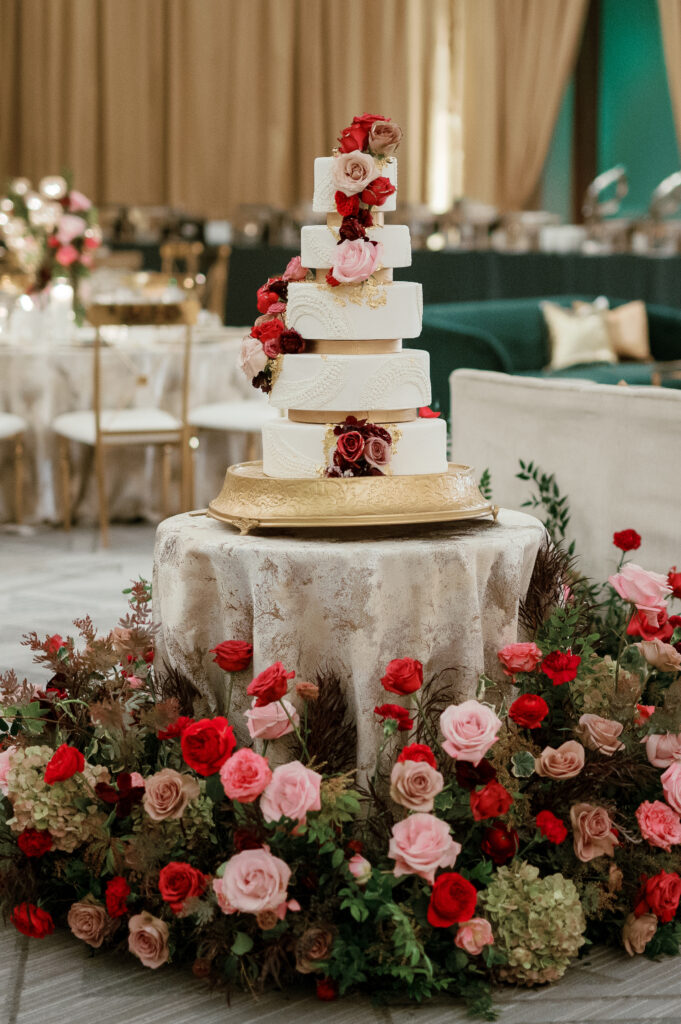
(555, 507)
(485, 485)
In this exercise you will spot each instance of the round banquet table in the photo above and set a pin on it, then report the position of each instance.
(142, 366)
(343, 601)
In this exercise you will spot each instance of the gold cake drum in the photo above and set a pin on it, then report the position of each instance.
(249, 499)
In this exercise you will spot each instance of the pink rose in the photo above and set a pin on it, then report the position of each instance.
(563, 762)
(474, 935)
(647, 590)
(420, 845)
(659, 655)
(415, 784)
(70, 227)
(134, 682)
(637, 932)
(270, 722)
(671, 785)
(89, 921)
(659, 824)
(244, 775)
(5, 756)
(295, 271)
(470, 729)
(66, 255)
(519, 658)
(377, 452)
(167, 794)
(355, 260)
(136, 780)
(600, 734)
(663, 748)
(384, 138)
(252, 881)
(593, 832)
(253, 359)
(78, 202)
(360, 869)
(293, 791)
(148, 939)
(352, 172)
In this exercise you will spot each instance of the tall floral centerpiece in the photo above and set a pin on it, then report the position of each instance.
(51, 233)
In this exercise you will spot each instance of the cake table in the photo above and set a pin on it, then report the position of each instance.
(347, 601)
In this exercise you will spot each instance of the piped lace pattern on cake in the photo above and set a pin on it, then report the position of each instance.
(315, 392)
(317, 304)
(288, 461)
(377, 391)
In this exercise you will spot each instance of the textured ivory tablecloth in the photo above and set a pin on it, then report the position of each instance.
(40, 381)
(349, 601)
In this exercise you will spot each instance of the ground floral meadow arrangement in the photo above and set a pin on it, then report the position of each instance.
(497, 838)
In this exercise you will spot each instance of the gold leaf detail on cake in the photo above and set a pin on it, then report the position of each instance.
(369, 293)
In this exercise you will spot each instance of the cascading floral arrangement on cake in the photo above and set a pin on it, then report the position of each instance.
(496, 837)
(327, 347)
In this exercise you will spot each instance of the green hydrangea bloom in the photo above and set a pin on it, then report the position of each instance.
(538, 923)
(68, 810)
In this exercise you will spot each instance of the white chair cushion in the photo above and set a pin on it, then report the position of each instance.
(247, 417)
(136, 426)
(11, 425)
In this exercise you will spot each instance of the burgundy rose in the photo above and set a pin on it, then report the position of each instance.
(377, 452)
(291, 342)
(468, 775)
(350, 446)
(280, 287)
(123, 796)
(365, 218)
(34, 842)
(500, 843)
(350, 229)
(377, 191)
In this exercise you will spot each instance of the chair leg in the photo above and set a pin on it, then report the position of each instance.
(101, 491)
(187, 468)
(65, 475)
(166, 451)
(19, 478)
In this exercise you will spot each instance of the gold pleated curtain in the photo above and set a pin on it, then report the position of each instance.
(670, 21)
(206, 104)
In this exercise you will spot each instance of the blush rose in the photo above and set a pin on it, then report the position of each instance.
(637, 932)
(592, 831)
(384, 138)
(470, 729)
(659, 655)
(420, 845)
(5, 765)
(292, 792)
(671, 785)
(167, 794)
(148, 939)
(271, 721)
(253, 359)
(647, 590)
(415, 784)
(352, 172)
(89, 921)
(252, 881)
(663, 748)
(355, 260)
(474, 935)
(600, 734)
(563, 762)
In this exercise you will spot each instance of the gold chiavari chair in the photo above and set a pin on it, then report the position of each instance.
(215, 300)
(175, 253)
(103, 428)
(12, 429)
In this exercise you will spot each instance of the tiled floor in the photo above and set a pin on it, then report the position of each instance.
(47, 578)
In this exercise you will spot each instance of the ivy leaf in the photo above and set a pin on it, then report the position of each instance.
(243, 943)
(523, 764)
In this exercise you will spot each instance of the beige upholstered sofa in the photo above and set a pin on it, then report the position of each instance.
(615, 451)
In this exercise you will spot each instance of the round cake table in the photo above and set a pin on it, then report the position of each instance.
(344, 601)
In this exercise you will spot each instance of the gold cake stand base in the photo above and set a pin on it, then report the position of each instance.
(249, 499)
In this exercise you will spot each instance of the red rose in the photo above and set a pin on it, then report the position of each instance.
(357, 134)
(426, 413)
(561, 667)
(452, 900)
(34, 842)
(64, 763)
(290, 342)
(347, 206)
(468, 775)
(270, 685)
(377, 191)
(551, 827)
(500, 843)
(176, 728)
(32, 921)
(327, 990)
(269, 331)
(53, 643)
(207, 744)
(401, 715)
(350, 446)
(149, 657)
(627, 540)
(331, 280)
(179, 882)
(403, 675)
(659, 895)
(529, 710)
(639, 626)
(417, 752)
(233, 655)
(674, 581)
(492, 801)
(643, 712)
(266, 298)
(116, 896)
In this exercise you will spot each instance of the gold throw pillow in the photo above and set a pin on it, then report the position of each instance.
(576, 337)
(627, 327)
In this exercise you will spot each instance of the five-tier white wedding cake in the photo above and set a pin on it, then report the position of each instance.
(328, 345)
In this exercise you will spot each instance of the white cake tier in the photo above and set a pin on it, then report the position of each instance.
(325, 189)
(396, 380)
(296, 450)
(318, 244)
(355, 312)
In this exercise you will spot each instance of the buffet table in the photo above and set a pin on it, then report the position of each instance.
(342, 601)
(38, 381)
